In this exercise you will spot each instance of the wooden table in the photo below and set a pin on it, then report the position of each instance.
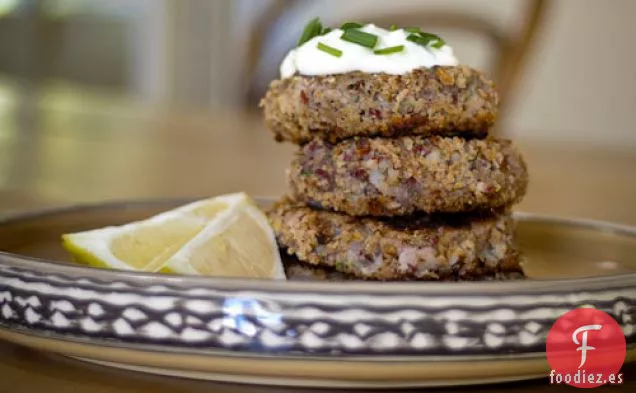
(51, 157)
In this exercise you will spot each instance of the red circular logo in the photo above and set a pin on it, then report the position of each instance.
(586, 348)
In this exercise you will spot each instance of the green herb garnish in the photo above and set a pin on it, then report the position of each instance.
(425, 39)
(329, 49)
(389, 50)
(418, 40)
(420, 37)
(439, 41)
(312, 29)
(350, 25)
(352, 33)
(360, 37)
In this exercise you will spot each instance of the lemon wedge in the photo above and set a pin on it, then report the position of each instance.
(224, 236)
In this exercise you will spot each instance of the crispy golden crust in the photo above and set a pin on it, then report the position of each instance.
(400, 176)
(426, 101)
(413, 248)
(296, 270)
(299, 271)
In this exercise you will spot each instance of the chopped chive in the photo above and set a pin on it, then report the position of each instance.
(329, 49)
(415, 30)
(389, 50)
(439, 41)
(350, 25)
(312, 29)
(393, 28)
(326, 30)
(418, 39)
(425, 39)
(360, 37)
(431, 36)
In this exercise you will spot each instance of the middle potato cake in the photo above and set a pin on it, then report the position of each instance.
(400, 176)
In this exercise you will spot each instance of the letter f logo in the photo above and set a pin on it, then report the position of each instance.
(584, 347)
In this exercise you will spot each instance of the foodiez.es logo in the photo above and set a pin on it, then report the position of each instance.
(586, 348)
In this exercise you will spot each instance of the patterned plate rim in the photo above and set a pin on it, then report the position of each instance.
(187, 351)
(404, 288)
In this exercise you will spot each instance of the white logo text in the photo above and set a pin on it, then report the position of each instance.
(584, 347)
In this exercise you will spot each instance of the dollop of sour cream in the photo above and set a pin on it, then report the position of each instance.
(309, 60)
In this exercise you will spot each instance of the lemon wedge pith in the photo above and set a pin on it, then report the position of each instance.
(226, 236)
(240, 235)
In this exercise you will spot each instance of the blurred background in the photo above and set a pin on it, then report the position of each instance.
(131, 98)
(575, 81)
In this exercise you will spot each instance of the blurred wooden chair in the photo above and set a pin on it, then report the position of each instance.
(507, 62)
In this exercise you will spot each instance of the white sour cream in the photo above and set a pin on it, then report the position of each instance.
(309, 60)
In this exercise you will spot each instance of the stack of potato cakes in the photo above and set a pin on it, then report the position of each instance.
(396, 177)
